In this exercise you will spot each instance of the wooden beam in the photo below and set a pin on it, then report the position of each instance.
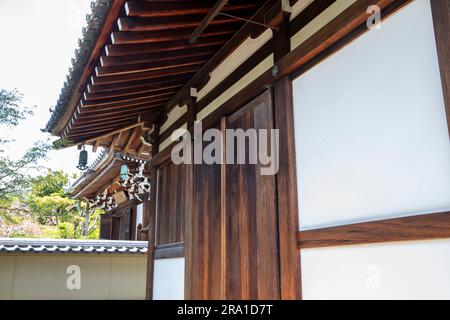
(95, 147)
(308, 14)
(136, 84)
(151, 66)
(102, 119)
(441, 20)
(125, 93)
(113, 132)
(97, 123)
(115, 141)
(175, 23)
(98, 128)
(148, 9)
(156, 74)
(133, 136)
(213, 12)
(135, 110)
(236, 75)
(123, 101)
(106, 61)
(115, 50)
(422, 227)
(167, 35)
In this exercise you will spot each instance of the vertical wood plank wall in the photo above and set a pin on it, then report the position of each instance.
(205, 262)
(252, 261)
(170, 199)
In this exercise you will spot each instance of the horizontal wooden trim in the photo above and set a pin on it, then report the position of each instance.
(236, 75)
(309, 14)
(176, 125)
(421, 227)
(169, 251)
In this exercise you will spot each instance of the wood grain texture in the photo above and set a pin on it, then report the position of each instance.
(206, 232)
(152, 223)
(422, 227)
(288, 224)
(441, 20)
(252, 258)
(170, 200)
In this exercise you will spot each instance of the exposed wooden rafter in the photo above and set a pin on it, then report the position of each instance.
(213, 12)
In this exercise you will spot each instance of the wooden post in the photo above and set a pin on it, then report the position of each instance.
(290, 277)
(288, 225)
(188, 221)
(441, 21)
(152, 220)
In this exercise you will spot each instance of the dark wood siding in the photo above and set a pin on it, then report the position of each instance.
(233, 245)
(206, 233)
(251, 216)
(105, 226)
(170, 201)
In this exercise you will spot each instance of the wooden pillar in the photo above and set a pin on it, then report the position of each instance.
(145, 216)
(288, 225)
(188, 222)
(441, 20)
(152, 219)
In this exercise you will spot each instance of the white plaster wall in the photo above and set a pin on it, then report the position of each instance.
(415, 270)
(371, 132)
(168, 279)
(103, 277)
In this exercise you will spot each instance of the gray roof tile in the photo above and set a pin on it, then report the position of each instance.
(42, 246)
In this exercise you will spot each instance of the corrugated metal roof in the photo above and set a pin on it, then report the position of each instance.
(46, 246)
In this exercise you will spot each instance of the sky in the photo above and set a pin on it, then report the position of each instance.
(38, 40)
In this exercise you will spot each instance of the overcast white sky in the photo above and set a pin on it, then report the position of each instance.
(38, 39)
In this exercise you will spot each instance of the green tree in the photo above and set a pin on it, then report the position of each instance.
(50, 205)
(14, 178)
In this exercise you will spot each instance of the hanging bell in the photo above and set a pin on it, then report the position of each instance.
(83, 160)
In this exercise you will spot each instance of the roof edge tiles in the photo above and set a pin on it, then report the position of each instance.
(49, 246)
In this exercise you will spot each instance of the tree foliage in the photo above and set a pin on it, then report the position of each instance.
(11, 112)
(14, 177)
(50, 205)
(27, 203)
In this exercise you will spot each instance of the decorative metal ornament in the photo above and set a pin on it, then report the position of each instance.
(124, 172)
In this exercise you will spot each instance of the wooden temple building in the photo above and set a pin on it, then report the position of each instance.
(359, 91)
(122, 195)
